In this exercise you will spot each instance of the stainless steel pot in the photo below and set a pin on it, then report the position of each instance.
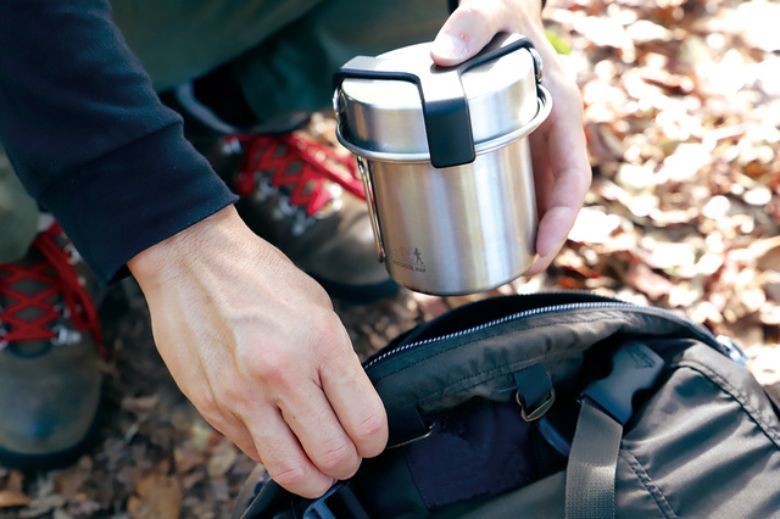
(445, 161)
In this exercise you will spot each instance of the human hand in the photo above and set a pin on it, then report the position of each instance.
(254, 343)
(561, 169)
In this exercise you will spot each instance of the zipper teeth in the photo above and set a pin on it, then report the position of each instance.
(544, 310)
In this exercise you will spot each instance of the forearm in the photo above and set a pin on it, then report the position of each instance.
(88, 136)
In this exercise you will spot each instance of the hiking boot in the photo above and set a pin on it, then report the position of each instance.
(302, 196)
(49, 356)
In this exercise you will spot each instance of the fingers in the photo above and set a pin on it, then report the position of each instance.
(330, 413)
(467, 30)
(312, 420)
(565, 177)
(204, 400)
(570, 169)
(358, 406)
(244, 442)
(235, 431)
(283, 456)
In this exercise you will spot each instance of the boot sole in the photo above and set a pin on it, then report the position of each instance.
(55, 459)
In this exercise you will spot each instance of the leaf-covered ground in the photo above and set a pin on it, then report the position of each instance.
(683, 115)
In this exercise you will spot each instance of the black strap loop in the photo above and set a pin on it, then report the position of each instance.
(535, 392)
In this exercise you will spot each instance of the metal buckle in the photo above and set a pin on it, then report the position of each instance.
(540, 410)
(431, 429)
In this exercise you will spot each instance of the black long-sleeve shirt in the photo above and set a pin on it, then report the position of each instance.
(88, 136)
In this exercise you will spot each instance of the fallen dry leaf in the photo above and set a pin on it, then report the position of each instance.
(42, 505)
(69, 481)
(187, 457)
(767, 254)
(11, 494)
(13, 498)
(157, 496)
(641, 277)
(141, 404)
(222, 458)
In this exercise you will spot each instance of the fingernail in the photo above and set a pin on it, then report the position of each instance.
(546, 248)
(449, 47)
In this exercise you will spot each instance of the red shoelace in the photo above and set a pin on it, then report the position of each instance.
(278, 156)
(63, 281)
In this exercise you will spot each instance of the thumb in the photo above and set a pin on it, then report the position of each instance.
(469, 28)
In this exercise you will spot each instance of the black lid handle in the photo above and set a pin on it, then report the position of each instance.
(445, 110)
(444, 104)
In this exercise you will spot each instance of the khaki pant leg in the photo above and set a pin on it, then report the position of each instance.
(18, 214)
(178, 40)
(292, 70)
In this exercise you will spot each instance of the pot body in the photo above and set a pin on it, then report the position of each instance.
(445, 158)
(455, 230)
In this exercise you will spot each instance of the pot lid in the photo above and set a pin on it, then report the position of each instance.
(400, 102)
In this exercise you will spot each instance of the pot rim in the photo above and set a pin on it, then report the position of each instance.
(544, 103)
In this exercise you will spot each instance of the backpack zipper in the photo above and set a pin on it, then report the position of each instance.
(730, 349)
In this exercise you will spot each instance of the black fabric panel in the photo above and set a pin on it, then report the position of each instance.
(480, 451)
(386, 488)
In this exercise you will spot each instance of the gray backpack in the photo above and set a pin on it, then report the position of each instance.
(557, 405)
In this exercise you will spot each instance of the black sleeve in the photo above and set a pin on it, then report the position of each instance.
(88, 136)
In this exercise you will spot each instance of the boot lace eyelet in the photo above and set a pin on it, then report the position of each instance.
(64, 336)
(60, 281)
(306, 168)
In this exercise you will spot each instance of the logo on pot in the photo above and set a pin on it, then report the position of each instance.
(408, 258)
(418, 258)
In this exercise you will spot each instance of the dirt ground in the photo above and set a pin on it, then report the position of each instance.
(683, 115)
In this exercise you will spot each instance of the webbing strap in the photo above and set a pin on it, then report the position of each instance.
(590, 474)
(338, 503)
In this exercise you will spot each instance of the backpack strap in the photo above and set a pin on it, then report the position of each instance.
(590, 474)
(606, 406)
